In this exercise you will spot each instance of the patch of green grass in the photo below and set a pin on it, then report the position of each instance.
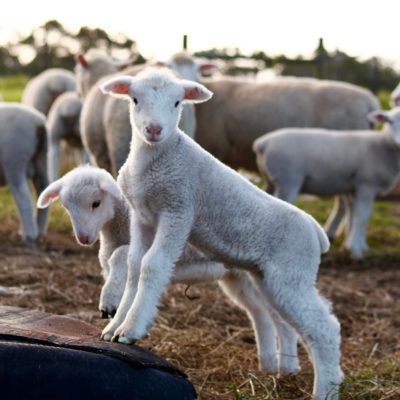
(384, 99)
(376, 381)
(11, 87)
(58, 218)
(383, 234)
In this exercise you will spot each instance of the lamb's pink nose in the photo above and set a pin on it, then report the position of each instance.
(153, 131)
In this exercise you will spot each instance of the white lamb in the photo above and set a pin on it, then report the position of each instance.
(43, 89)
(97, 207)
(63, 126)
(361, 164)
(180, 193)
(23, 151)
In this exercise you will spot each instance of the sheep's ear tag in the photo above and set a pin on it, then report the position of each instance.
(80, 59)
(120, 88)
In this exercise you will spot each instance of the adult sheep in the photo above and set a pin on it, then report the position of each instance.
(42, 90)
(241, 111)
(23, 151)
(105, 126)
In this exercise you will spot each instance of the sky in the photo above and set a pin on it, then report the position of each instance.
(292, 27)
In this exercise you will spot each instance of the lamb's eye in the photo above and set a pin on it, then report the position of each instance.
(177, 104)
(135, 100)
(95, 204)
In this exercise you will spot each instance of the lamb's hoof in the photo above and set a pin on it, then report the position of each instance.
(124, 340)
(107, 337)
(289, 371)
(104, 314)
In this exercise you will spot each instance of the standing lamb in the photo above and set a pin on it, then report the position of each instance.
(180, 193)
(105, 126)
(360, 164)
(97, 206)
(43, 89)
(63, 125)
(23, 151)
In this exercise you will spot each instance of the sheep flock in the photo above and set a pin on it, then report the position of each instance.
(152, 161)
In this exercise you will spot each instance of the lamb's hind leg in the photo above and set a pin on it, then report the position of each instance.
(335, 223)
(299, 303)
(267, 325)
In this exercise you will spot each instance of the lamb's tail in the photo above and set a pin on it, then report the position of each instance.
(322, 237)
(259, 145)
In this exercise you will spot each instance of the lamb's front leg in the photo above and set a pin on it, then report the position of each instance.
(155, 274)
(141, 238)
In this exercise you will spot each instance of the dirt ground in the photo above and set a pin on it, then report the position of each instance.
(210, 339)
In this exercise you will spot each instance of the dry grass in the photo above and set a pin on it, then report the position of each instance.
(212, 340)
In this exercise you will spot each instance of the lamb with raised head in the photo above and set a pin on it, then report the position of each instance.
(42, 90)
(97, 208)
(181, 193)
(63, 126)
(23, 152)
(360, 164)
(105, 125)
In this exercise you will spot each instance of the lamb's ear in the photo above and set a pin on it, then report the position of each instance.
(108, 185)
(378, 117)
(118, 86)
(51, 193)
(195, 92)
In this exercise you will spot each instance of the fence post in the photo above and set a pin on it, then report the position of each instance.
(321, 59)
(185, 42)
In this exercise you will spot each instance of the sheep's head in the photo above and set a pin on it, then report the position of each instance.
(188, 67)
(390, 119)
(156, 98)
(88, 195)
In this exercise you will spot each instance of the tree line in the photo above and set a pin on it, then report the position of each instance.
(52, 45)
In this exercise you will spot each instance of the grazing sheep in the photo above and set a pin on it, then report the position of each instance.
(23, 150)
(395, 97)
(63, 125)
(96, 205)
(241, 111)
(181, 193)
(360, 164)
(43, 89)
(105, 126)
